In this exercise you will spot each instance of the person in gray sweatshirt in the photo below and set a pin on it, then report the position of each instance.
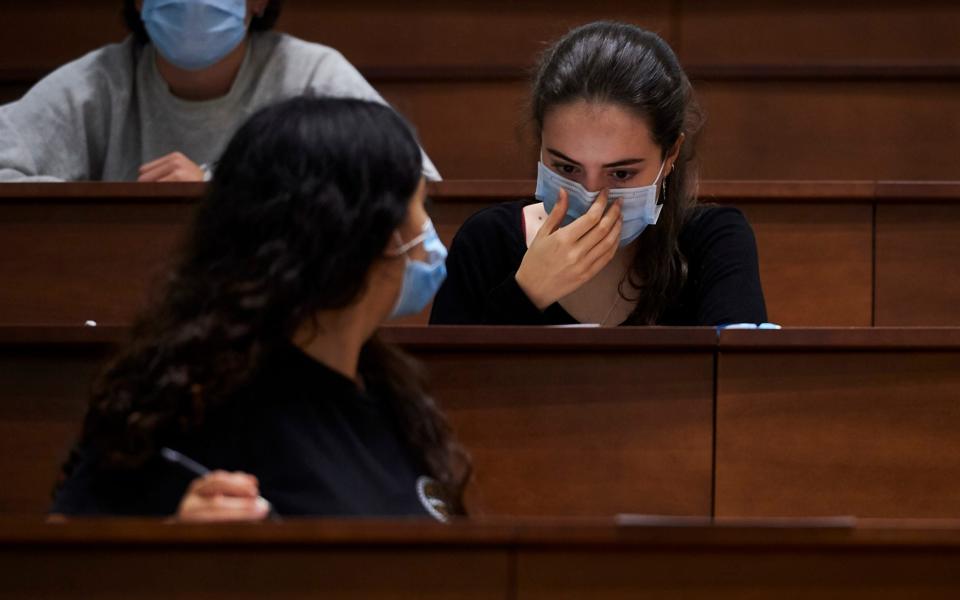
(161, 105)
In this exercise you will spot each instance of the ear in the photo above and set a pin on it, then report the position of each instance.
(259, 7)
(674, 154)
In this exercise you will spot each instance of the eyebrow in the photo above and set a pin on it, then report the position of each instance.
(619, 163)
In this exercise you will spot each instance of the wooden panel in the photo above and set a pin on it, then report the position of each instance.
(820, 31)
(195, 573)
(41, 35)
(816, 262)
(918, 249)
(559, 421)
(582, 433)
(550, 558)
(736, 574)
(91, 251)
(379, 33)
(827, 433)
(72, 263)
(44, 399)
(428, 33)
(471, 130)
(805, 130)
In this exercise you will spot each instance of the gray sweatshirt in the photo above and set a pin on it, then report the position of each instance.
(104, 115)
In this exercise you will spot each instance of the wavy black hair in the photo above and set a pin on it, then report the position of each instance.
(611, 62)
(304, 200)
(131, 17)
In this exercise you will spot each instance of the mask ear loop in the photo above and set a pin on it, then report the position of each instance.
(663, 183)
(405, 247)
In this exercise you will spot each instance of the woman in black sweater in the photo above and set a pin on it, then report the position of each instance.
(615, 235)
(260, 359)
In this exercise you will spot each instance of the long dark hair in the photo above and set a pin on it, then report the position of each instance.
(131, 18)
(304, 200)
(608, 62)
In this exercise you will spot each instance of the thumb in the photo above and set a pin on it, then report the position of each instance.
(555, 218)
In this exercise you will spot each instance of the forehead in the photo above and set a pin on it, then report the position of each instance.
(591, 132)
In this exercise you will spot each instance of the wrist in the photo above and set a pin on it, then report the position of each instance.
(538, 300)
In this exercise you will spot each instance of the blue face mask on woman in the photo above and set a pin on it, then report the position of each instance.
(421, 280)
(195, 34)
(640, 207)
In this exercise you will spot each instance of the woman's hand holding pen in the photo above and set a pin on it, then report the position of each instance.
(223, 496)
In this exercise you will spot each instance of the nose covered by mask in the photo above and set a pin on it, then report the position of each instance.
(639, 210)
(421, 280)
(195, 34)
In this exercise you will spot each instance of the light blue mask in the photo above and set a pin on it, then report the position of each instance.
(421, 280)
(640, 207)
(195, 34)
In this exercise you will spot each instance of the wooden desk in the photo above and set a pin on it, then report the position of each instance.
(880, 101)
(825, 422)
(586, 422)
(500, 559)
(74, 252)
(559, 421)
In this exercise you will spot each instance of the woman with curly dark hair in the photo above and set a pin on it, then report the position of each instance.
(260, 360)
(162, 105)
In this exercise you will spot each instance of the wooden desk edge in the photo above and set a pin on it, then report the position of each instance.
(436, 338)
(432, 338)
(502, 533)
(458, 191)
(866, 339)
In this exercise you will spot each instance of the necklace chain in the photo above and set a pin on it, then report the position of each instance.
(616, 302)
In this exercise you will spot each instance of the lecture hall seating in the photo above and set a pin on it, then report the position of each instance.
(589, 422)
(811, 91)
(831, 253)
(517, 559)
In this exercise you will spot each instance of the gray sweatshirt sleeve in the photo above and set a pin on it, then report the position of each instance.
(58, 130)
(337, 77)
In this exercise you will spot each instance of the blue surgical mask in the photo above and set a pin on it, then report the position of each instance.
(421, 280)
(195, 34)
(640, 207)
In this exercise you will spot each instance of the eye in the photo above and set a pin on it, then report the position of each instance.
(565, 169)
(622, 175)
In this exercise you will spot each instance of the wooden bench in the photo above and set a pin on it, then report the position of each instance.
(831, 253)
(507, 559)
(590, 422)
(796, 97)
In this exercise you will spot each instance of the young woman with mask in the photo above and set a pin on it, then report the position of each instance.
(162, 105)
(616, 236)
(261, 359)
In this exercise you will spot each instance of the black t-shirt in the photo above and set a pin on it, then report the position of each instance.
(316, 442)
(722, 287)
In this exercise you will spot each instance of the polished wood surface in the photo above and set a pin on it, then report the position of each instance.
(832, 422)
(796, 95)
(581, 422)
(622, 420)
(543, 558)
(830, 130)
(819, 33)
(917, 256)
(104, 246)
(816, 262)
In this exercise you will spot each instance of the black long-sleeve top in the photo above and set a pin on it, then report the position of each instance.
(318, 444)
(722, 287)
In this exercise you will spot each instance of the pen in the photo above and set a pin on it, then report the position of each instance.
(172, 456)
